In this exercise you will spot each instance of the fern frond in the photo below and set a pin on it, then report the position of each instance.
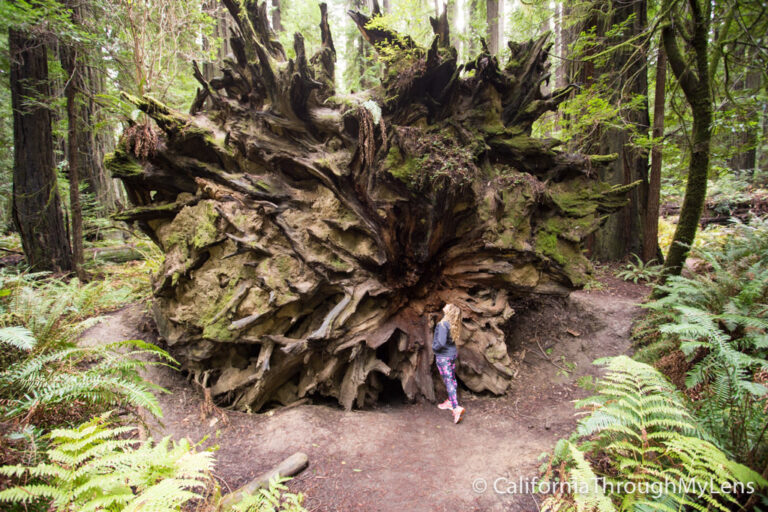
(19, 337)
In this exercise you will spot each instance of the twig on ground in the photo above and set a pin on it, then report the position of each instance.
(546, 356)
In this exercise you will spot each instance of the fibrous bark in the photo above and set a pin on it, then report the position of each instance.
(310, 237)
(625, 74)
(36, 208)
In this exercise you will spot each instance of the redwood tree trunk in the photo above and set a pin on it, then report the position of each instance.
(311, 239)
(651, 249)
(75, 133)
(625, 72)
(97, 139)
(495, 22)
(277, 23)
(36, 207)
(743, 90)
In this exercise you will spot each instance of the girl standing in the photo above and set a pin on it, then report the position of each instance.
(444, 347)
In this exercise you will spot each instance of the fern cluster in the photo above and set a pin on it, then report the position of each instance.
(719, 320)
(274, 498)
(104, 375)
(40, 320)
(54, 310)
(94, 467)
(640, 271)
(98, 467)
(652, 452)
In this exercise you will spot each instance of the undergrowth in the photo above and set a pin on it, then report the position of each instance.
(640, 448)
(50, 382)
(709, 333)
(98, 466)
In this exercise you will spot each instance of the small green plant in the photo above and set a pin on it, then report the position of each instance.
(565, 367)
(275, 498)
(586, 382)
(640, 271)
(593, 285)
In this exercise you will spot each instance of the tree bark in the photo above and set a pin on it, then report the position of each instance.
(651, 249)
(36, 207)
(98, 137)
(277, 24)
(694, 80)
(495, 23)
(622, 234)
(311, 240)
(79, 150)
(222, 25)
(743, 89)
(75, 133)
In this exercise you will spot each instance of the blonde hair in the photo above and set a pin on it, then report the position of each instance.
(453, 317)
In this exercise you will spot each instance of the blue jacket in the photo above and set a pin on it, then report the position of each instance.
(442, 343)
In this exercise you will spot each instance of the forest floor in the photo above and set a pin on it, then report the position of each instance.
(400, 456)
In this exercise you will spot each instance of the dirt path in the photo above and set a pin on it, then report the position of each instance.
(410, 457)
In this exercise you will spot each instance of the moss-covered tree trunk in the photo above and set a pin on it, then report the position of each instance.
(694, 79)
(311, 238)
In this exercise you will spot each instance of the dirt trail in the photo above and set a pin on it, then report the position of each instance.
(410, 457)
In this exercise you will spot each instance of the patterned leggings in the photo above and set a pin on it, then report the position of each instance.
(447, 368)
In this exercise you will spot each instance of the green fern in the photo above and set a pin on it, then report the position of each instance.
(54, 310)
(719, 320)
(106, 375)
(98, 467)
(94, 467)
(642, 431)
(640, 271)
(275, 498)
(18, 337)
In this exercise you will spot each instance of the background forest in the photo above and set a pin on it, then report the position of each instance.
(675, 91)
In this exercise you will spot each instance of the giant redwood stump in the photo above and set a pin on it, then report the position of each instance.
(309, 237)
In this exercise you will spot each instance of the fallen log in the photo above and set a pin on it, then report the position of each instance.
(291, 466)
(311, 237)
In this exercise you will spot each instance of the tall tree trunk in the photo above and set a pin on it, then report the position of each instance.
(36, 206)
(745, 140)
(473, 14)
(77, 137)
(277, 23)
(561, 45)
(493, 17)
(452, 9)
(222, 24)
(622, 234)
(98, 137)
(651, 235)
(694, 80)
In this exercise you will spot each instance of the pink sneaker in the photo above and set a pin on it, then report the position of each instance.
(445, 405)
(458, 414)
